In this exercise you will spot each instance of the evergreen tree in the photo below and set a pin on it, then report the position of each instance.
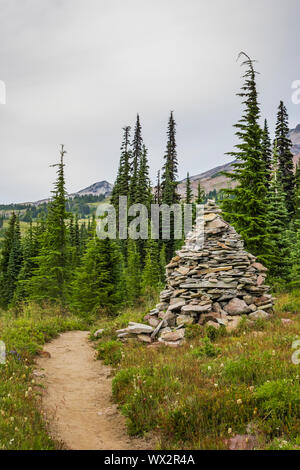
(83, 238)
(74, 241)
(137, 152)
(162, 263)
(169, 183)
(246, 207)
(170, 168)
(286, 165)
(295, 261)
(297, 197)
(51, 276)
(122, 184)
(144, 194)
(157, 198)
(31, 248)
(152, 272)
(266, 150)
(133, 271)
(188, 190)
(14, 263)
(97, 283)
(11, 260)
(278, 221)
(200, 194)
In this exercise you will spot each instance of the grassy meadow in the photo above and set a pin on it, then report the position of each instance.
(217, 385)
(214, 387)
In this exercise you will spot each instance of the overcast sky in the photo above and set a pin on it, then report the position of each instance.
(77, 71)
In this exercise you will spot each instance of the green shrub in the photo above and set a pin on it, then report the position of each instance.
(213, 333)
(255, 368)
(110, 352)
(279, 398)
(207, 349)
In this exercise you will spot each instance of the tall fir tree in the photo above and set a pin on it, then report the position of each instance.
(122, 184)
(297, 198)
(144, 194)
(246, 205)
(169, 183)
(285, 155)
(136, 155)
(267, 150)
(52, 274)
(188, 190)
(200, 194)
(170, 168)
(278, 221)
(157, 196)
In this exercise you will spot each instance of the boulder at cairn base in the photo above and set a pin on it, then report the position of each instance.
(213, 275)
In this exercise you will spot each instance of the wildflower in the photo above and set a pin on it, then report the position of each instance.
(12, 419)
(255, 411)
(16, 429)
(251, 388)
(222, 365)
(229, 430)
(209, 368)
(239, 401)
(216, 385)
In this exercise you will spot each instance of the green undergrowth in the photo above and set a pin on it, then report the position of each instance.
(22, 426)
(215, 386)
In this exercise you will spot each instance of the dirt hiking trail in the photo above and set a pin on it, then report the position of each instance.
(77, 397)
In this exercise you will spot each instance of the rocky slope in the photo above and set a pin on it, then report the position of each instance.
(212, 179)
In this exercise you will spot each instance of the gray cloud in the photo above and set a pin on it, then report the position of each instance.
(76, 71)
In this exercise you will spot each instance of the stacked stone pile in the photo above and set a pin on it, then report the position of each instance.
(210, 282)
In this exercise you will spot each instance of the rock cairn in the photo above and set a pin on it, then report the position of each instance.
(211, 283)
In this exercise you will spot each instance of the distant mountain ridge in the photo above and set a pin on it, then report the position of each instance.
(210, 179)
(97, 189)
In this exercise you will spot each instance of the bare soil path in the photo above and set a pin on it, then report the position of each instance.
(77, 397)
